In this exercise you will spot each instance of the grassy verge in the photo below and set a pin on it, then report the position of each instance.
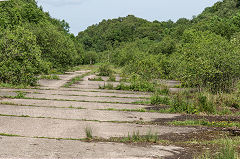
(224, 124)
(227, 150)
(7, 85)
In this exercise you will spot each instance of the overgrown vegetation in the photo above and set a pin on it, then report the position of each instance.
(185, 50)
(105, 70)
(32, 43)
(135, 137)
(228, 150)
(49, 77)
(224, 124)
(88, 131)
(202, 52)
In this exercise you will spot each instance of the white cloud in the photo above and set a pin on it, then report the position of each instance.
(62, 2)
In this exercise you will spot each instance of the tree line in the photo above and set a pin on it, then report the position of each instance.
(201, 52)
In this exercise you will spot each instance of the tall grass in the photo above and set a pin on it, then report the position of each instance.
(227, 151)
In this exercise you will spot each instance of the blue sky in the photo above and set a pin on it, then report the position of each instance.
(82, 13)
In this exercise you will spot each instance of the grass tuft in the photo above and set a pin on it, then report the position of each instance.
(88, 132)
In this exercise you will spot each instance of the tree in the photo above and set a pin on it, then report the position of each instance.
(20, 57)
(207, 60)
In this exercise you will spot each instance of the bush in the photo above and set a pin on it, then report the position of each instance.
(20, 57)
(157, 100)
(204, 105)
(90, 57)
(105, 70)
(56, 47)
(201, 64)
(180, 104)
(139, 84)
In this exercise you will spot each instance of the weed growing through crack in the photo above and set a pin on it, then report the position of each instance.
(112, 78)
(105, 70)
(12, 135)
(135, 137)
(107, 86)
(88, 132)
(20, 95)
(96, 79)
(76, 79)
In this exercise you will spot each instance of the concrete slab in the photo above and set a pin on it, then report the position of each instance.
(63, 79)
(7, 93)
(17, 147)
(103, 90)
(94, 94)
(79, 91)
(56, 128)
(84, 98)
(87, 105)
(82, 114)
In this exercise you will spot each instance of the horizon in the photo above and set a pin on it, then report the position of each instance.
(81, 14)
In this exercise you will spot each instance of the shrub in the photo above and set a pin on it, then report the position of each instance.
(90, 57)
(56, 47)
(139, 84)
(204, 105)
(105, 70)
(180, 104)
(112, 78)
(19, 57)
(157, 100)
(201, 64)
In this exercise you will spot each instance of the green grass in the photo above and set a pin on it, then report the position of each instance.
(84, 67)
(8, 103)
(7, 85)
(49, 77)
(107, 86)
(22, 116)
(112, 79)
(135, 137)
(156, 99)
(105, 70)
(96, 79)
(228, 149)
(20, 95)
(224, 124)
(71, 107)
(88, 132)
(12, 135)
(76, 79)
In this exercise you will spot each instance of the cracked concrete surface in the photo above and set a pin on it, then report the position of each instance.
(51, 118)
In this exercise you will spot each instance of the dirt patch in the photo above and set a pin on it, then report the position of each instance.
(194, 149)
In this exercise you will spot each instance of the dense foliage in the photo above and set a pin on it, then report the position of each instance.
(202, 52)
(31, 43)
